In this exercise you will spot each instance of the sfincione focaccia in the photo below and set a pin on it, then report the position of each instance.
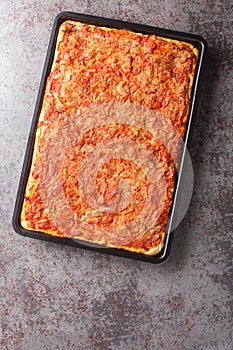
(102, 86)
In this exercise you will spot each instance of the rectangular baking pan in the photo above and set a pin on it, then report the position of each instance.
(195, 40)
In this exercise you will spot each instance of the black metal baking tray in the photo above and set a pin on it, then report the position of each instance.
(195, 40)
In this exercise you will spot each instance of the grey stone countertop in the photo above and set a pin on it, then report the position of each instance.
(59, 297)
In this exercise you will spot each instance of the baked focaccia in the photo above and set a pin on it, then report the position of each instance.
(87, 180)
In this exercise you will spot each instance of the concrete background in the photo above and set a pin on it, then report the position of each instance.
(58, 297)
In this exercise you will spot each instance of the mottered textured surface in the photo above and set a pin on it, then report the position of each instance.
(58, 297)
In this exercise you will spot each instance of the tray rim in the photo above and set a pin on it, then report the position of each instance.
(194, 39)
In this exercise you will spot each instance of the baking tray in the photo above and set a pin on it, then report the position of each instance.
(195, 40)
